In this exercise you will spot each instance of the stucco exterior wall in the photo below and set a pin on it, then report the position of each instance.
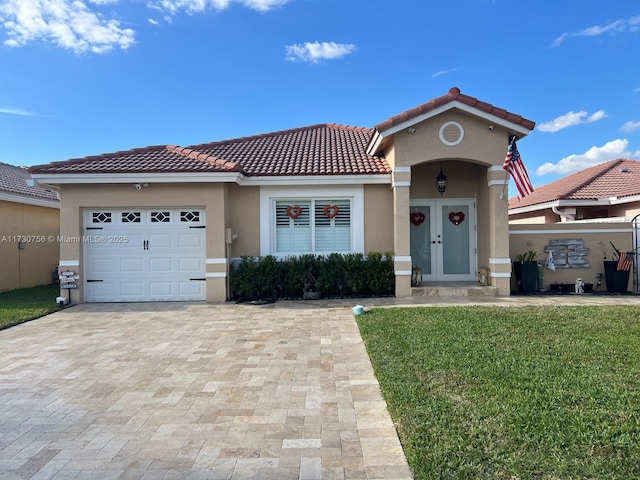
(378, 218)
(479, 143)
(595, 237)
(210, 196)
(243, 217)
(33, 264)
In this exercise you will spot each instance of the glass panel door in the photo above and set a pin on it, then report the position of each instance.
(455, 240)
(420, 231)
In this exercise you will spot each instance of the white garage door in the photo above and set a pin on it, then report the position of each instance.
(144, 254)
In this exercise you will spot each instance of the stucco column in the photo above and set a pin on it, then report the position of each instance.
(216, 262)
(401, 183)
(499, 259)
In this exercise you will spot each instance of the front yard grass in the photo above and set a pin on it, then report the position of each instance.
(511, 393)
(18, 306)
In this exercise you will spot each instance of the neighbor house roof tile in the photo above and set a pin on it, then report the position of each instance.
(617, 178)
(454, 95)
(325, 149)
(13, 180)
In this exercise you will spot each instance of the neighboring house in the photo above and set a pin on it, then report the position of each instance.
(29, 227)
(163, 222)
(606, 191)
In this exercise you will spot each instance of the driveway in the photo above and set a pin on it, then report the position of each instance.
(202, 391)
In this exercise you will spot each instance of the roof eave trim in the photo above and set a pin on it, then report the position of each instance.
(40, 202)
(103, 178)
(461, 106)
(560, 203)
(280, 180)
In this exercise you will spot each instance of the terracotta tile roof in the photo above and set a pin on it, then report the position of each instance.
(13, 180)
(617, 178)
(454, 95)
(156, 159)
(325, 149)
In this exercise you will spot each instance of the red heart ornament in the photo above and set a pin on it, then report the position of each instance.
(331, 210)
(417, 218)
(294, 211)
(456, 217)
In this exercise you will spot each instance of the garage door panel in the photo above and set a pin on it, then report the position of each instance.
(131, 265)
(154, 255)
(190, 240)
(161, 265)
(191, 290)
(191, 265)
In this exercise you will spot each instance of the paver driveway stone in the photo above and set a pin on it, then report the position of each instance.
(202, 391)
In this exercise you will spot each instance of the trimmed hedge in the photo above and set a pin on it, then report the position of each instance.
(337, 275)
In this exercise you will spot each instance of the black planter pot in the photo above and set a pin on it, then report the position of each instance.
(526, 276)
(617, 280)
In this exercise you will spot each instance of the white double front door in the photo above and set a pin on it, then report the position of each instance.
(443, 239)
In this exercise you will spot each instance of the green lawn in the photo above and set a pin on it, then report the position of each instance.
(511, 393)
(18, 306)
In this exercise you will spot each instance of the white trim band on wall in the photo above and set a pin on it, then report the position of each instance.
(69, 263)
(402, 258)
(400, 184)
(216, 274)
(572, 232)
(216, 261)
(499, 261)
(497, 168)
(499, 275)
(496, 183)
(403, 273)
(401, 170)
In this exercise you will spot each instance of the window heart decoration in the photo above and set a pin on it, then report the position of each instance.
(417, 218)
(331, 211)
(456, 217)
(294, 211)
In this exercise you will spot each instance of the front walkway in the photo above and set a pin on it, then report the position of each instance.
(203, 391)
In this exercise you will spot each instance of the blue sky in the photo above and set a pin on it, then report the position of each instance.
(84, 77)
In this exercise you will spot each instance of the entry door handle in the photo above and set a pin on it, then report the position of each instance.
(145, 245)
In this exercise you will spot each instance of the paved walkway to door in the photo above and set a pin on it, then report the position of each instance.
(203, 391)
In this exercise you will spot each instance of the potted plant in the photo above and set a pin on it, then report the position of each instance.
(617, 280)
(526, 271)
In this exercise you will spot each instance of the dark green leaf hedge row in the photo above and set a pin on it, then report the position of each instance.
(336, 275)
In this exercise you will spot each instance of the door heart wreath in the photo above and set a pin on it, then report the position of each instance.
(331, 211)
(456, 217)
(294, 211)
(417, 218)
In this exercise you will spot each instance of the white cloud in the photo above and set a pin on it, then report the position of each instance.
(444, 72)
(196, 6)
(313, 52)
(152, 21)
(68, 24)
(612, 150)
(619, 26)
(630, 127)
(17, 111)
(570, 119)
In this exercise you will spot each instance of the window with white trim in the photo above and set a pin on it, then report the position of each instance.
(313, 226)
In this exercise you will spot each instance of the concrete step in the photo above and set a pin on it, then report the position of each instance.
(454, 290)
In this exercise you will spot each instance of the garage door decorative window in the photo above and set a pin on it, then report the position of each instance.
(101, 217)
(160, 217)
(131, 217)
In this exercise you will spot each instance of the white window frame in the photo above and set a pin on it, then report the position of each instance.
(269, 196)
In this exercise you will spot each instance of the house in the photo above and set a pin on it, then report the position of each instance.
(609, 190)
(29, 227)
(164, 222)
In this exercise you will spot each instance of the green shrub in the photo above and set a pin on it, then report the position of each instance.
(337, 275)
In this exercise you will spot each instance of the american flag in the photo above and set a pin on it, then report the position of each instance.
(513, 164)
(624, 262)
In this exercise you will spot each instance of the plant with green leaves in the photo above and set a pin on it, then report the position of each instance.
(528, 256)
